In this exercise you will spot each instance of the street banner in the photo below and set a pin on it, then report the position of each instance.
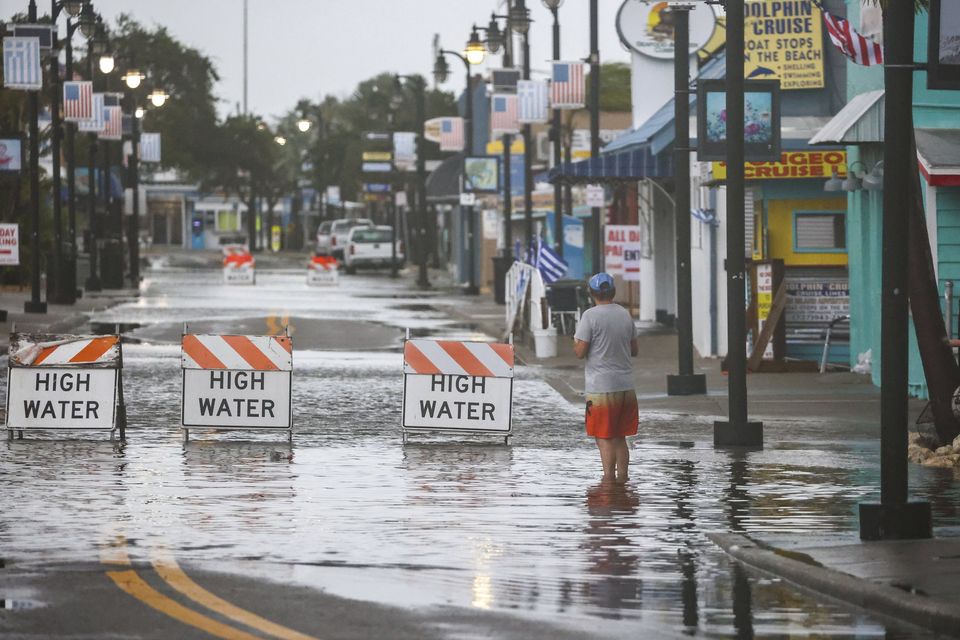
(333, 196)
(96, 122)
(9, 244)
(404, 149)
(77, 101)
(783, 41)
(236, 381)
(11, 154)
(22, 68)
(568, 87)
(534, 101)
(431, 129)
(457, 386)
(149, 147)
(112, 124)
(63, 382)
(618, 239)
(451, 134)
(505, 80)
(503, 114)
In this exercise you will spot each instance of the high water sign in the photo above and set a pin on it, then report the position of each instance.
(784, 41)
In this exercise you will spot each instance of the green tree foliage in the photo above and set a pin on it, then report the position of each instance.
(614, 87)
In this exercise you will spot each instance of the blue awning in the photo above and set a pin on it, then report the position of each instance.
(627, 166)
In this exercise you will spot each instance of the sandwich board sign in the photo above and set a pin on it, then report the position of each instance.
(322, 270)
(236, 382)
(64, 382)
(458, 387)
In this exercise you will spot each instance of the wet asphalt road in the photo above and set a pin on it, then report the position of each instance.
(348, 533)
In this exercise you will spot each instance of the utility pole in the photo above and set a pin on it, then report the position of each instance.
(34, 304)
(557, 151)
(595, 128)
(737, 431)
(686, 382)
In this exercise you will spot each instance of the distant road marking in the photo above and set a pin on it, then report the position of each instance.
(168, 569)
(116, 553)
(134, 585)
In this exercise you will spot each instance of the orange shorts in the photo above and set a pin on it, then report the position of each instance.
(612, 415)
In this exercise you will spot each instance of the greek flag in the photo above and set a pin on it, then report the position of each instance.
(533, 96)
(149, 147)
(551, 266)
(21, 64)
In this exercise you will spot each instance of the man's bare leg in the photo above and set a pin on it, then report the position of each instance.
(622, 458)
(608, 457)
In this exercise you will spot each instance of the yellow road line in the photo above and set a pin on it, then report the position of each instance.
(168, 569)
(134, 585)
(116, 553)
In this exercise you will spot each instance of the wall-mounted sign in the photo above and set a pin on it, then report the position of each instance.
(647, 27)
(943, 45)
(784, 41)
(9, 244)
(377, 156)
(481, 174)
(790, 166)
(761, 125)
(11, 154)
(376, 167)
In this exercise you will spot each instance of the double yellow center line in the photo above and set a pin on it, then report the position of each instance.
(167, 568)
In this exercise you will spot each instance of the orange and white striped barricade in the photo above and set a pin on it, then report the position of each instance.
(459, 387)
(59, 382)
(239, 266)
(236, 382)
(322, 270)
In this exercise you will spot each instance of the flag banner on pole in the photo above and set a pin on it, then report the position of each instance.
(551, 266)
(112, 124)
(860, 49)
(149, 147)
(503, 114)
(77, 101)
(95, 123)
(127, 125)
(404, 149)
(534, 100)
(21, 64)
(505, 80)
(451, 134)
(112, 99)
(567, 87)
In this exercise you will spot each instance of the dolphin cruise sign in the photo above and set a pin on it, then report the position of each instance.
(784, 41)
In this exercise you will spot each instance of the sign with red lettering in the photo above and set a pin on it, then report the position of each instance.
(621, 245)
(9, 245)
(792, 165)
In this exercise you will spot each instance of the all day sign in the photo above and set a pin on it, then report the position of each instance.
(621, 246)
(9, 244)
(784, 41)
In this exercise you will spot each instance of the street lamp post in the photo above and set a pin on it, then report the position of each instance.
(554, 6)
(595, 126)
(519, 19)
(419, 87)
(34, 304)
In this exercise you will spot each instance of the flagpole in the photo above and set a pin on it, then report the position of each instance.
(34, 305)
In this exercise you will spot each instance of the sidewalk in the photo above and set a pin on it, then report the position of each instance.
(912, 580)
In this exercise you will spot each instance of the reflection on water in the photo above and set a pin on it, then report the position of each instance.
(473, 523)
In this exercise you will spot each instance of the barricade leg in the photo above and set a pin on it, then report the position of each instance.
(186, 435)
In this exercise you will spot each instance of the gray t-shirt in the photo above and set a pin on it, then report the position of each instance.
(609, 329)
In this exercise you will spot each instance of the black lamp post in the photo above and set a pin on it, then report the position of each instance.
(95, 47)
(595, 127)
(555, 127)
(34, 304)
(519, 21)
(419, 87)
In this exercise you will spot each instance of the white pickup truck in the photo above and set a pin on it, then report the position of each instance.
(369, 248)
(339, 232)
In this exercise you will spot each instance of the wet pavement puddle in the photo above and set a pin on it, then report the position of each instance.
(525, 530)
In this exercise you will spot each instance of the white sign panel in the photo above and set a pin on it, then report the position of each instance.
(631, 263)
(61, 398)
(468, 199)
(322, 277)
(595, 195)
(230, 398)
(618, 239)
(233, 275)
(9, 244)
(457, 402)
(647, 27)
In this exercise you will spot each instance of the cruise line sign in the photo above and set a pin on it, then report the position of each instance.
(784, 41)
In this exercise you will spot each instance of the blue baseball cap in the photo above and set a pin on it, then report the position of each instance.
(601, 282)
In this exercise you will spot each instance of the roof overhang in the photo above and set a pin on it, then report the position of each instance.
(938, 154)
(859, 122)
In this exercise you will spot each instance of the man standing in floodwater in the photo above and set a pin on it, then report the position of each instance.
(607, 338)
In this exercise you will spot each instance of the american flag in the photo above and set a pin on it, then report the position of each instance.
(95, 123)
(451, 134)
(860, 49)
(551, 266)
(503, 113)
(149, 147)
(77, 101)
(533, 96)
(112, 124)
(21, 64)
(568, 89)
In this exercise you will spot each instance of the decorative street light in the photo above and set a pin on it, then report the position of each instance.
(304, 124)
(474, 51)
(157, 97)
(280, 140)
(133, 77)
(495, 37)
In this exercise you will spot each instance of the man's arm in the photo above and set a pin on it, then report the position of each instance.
(580, 348)
(634, 347)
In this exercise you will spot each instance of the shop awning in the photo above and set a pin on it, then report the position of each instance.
(443, 183)
(626, 166)
(860, 121)
(938, 151)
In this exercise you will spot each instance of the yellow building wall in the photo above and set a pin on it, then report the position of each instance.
(779, 228)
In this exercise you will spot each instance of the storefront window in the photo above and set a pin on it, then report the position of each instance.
(819, 232)
(227, 220)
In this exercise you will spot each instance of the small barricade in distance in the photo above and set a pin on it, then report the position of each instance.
(239, 267)
(458, 387)
(322, 271)
(65, 382)
(236, 382)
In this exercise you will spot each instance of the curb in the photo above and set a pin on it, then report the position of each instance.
(887, 601)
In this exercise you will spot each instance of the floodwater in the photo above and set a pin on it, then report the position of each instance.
(523, 530)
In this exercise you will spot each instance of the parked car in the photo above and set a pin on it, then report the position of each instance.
(323, 238)
(339, 231)
(369, 248)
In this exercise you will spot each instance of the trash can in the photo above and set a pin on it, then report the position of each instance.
(545, 343)
(111, 265)
(501, 264)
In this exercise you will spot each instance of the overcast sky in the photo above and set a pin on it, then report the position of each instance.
(308, 48)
